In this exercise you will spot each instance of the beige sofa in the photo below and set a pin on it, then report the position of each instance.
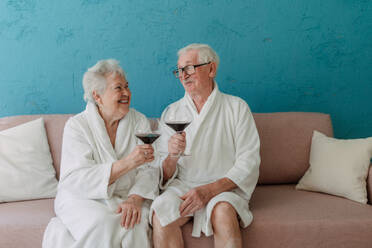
(283, 216)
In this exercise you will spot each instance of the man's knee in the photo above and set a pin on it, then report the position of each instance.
(155, 221)
(175, 224)
(223, 213)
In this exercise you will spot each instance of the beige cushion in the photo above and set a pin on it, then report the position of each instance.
(54, 125)
(26, 170)
(338, 167)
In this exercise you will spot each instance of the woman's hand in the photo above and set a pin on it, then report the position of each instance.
(130, 211)
(141, 154)
(177, 143)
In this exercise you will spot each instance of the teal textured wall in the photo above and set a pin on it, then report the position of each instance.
(287, 55)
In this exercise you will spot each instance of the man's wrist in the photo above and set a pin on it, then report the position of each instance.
(172, 158)
(169, 167)
(221, 185)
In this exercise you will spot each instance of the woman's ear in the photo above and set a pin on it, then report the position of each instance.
(213, 70)
(97, 98)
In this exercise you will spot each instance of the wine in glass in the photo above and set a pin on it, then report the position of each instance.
(178, 118)
(148, 135)
(148, 138)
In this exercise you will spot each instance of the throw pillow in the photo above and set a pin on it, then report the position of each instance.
(26, 170)
(338, 167)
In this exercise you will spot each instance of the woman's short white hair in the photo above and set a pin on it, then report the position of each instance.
(95, 77)
(205, 52)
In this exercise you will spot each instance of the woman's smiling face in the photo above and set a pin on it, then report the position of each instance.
(115, 101)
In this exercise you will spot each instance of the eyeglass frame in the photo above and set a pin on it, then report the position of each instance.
(179, 71)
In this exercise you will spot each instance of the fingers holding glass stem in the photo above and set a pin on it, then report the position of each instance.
(147, 152)
(178, 118)
(177, 144)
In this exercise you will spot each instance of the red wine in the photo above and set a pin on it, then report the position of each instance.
(178, 126)
(148, 138)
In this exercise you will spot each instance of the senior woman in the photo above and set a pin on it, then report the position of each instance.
(106, 184)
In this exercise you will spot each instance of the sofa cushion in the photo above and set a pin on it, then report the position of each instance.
(338, 167)
(26, 170)
(22, 224)
(287, 218)
(285, 143)
(54, 125)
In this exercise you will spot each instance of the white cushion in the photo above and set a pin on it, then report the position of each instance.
(26, 170)
(338, 167)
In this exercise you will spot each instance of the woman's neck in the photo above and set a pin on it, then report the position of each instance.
(111, 125)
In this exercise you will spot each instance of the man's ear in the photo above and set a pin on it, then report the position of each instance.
(213, 70)
(97, 97)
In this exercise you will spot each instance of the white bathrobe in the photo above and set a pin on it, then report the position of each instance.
(85, 204)
(223, 142)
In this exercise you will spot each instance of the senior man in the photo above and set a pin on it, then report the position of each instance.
(212, 185)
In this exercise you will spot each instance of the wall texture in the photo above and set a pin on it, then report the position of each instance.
(288, 55)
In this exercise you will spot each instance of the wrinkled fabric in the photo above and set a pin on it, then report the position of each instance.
(223, 142)
(85, 204)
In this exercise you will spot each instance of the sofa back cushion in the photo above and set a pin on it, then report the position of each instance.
(285, 143)
(54, 125)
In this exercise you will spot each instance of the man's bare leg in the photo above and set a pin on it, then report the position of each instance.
(169, 236)
(226, 226)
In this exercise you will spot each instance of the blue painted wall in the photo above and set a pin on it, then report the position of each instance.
(289, 55)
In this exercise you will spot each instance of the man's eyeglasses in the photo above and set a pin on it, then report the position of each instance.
(189, 69)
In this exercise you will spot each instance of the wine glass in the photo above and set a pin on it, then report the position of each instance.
(178, 118)
(145, 134)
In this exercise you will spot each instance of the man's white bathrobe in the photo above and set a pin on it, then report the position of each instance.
(223, 142)
(85, 204)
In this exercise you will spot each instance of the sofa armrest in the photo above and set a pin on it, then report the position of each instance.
(369, 185)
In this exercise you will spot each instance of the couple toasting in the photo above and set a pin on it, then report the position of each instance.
(108, 193)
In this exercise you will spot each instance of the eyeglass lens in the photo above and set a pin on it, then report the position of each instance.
(190, 69)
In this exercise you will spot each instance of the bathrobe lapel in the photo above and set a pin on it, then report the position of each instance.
(96, 124)
(210, 106)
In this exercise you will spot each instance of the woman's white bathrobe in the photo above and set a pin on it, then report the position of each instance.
(223, 142)
(85, 204)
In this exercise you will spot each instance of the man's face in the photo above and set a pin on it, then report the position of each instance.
(200, 82)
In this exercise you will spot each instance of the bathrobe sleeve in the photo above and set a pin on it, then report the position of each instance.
(245, 171)
(146, 182)
(162, 147)
(81, 175)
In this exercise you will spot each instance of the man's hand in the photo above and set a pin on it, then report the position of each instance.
(177, 143)
(195, 199)
(130, 211)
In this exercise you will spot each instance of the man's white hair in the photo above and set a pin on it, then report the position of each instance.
(95, 77)
(205, 52)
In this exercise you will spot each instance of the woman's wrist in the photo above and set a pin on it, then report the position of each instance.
(121, 167)
(127, 163)
(136, 198)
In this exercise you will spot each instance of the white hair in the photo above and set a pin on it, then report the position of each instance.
(205, 53)
(94, 78)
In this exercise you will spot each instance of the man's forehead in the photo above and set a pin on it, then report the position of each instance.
(188, 57)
